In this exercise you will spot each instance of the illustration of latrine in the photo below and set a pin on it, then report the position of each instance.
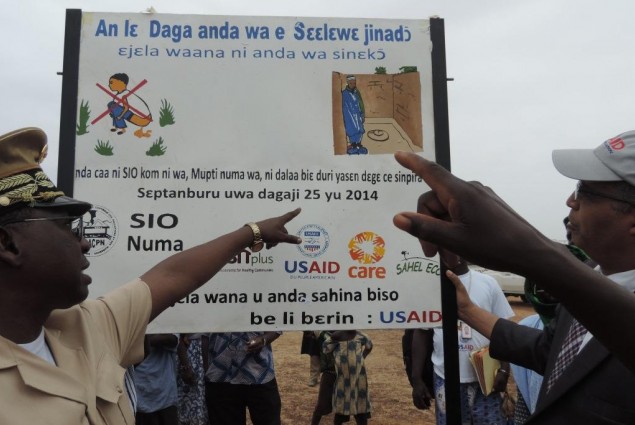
(376, 113)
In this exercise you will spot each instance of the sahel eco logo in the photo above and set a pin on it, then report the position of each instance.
(367, 248)
(417, 264)
(315, 240)
(100, 230)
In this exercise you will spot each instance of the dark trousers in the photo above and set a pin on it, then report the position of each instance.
(167, 416)
(324, 404)
(227, 403)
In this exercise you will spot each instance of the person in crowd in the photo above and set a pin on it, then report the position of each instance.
(421, 396)
(586, 353)
(476, 408)
(324, 403)
(350, 396)
(240, 377)
(192, 361)
(62, 353)
(312, 349)
(155, 381)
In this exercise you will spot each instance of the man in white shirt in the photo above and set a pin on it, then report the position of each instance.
(476, 408)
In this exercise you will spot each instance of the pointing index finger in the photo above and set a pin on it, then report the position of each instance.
(438, 178)
(292, 214)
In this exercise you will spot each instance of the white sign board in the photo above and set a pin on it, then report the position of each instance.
(189, 126)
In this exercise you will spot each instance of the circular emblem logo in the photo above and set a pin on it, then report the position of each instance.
(100, 230)
(315, 240)
(367, 248)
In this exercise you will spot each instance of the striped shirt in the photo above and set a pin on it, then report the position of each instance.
(128, 380)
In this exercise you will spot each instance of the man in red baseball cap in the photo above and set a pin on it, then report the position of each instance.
(586, 353)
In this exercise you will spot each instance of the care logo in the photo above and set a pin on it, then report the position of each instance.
(100, 230)
(367, 248)
(315, 240)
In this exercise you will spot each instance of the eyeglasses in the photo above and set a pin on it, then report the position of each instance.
(543, 296)
(76, 224)
(585, 190)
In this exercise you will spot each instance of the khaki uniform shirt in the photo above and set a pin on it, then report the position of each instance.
(90, 342)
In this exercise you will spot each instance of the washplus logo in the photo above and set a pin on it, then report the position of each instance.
(367, 248)
(100, 230)
(249, 262)
(315, 240)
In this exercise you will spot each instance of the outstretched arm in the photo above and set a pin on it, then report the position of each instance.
(467, 218)
(176, 276)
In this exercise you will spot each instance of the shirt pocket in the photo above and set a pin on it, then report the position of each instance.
(112, 401)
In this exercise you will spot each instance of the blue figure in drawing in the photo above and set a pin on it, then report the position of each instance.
(353, 112)
(128, 106)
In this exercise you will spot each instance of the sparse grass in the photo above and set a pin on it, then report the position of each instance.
(84, 116)
(166, 114)
(407, 69)
(104, 148)
(157, 148)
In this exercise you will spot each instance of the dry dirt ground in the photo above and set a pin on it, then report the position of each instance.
(389, 389)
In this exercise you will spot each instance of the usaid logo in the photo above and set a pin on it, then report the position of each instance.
(315, 240)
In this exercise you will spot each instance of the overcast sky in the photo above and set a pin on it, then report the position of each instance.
(529, 77)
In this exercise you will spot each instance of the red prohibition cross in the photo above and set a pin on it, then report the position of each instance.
(120, 101)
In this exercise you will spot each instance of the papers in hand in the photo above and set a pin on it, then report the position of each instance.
(486, 368)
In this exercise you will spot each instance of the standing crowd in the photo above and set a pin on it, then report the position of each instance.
(201, 379)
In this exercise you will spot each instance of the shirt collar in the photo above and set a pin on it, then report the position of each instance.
(625, 279)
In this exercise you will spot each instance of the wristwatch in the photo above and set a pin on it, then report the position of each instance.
(258, 243)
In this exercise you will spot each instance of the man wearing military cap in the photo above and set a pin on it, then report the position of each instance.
(62, 357)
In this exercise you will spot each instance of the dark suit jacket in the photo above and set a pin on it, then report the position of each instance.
(596, 388)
